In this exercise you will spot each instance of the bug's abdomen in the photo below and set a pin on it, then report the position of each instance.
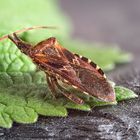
(96, 85)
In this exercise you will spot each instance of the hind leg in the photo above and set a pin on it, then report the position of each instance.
(51, 85)
(69, 95)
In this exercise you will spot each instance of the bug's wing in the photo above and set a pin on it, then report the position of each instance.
(91, 76)
(58, 68)
(95, 85)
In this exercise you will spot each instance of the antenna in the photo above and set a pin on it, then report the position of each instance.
(28, 29)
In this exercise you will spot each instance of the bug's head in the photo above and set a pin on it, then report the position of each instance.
(23, 46)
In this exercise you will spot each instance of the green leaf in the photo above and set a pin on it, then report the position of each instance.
(48, 107)
(24, 96)
(21, 114)
(123, 93)
(11, 59)
(106, 56)
(84, 107)
(5, 119)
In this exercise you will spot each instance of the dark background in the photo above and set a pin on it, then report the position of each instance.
(111, 21)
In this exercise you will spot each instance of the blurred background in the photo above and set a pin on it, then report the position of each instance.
(108, 21)
(111, 21)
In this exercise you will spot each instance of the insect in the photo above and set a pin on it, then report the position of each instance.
(61, 65)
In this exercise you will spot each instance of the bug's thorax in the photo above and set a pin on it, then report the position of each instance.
(49, 51)
(49, 47)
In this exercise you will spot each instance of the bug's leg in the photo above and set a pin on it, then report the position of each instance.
(69, 95)
(51, 85)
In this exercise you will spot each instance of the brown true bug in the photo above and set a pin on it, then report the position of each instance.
(61, 65)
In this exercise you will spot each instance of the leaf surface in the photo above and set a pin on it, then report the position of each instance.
(24, 96)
